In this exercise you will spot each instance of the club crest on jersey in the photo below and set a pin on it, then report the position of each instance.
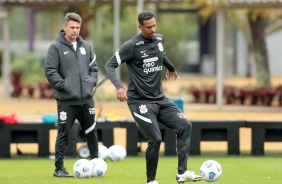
(143, 109)
(63, 116)
(181, 115)
(82, 50)
(161, 47)
(91, 110)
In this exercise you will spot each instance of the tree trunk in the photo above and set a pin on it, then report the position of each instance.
(259, 46)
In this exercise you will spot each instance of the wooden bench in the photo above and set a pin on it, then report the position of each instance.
(264, 131)
(133, 136)
(105, 133)
(201, 131)
(206, 130)
(218, 130)
(39, 133)
(25, 133)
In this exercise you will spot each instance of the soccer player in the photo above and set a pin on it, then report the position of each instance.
(145, 57)
(71, 69)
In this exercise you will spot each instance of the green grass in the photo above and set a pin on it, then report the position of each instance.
(236, 169)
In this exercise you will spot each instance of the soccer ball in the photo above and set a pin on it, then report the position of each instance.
(210, 170)
(82, 168)
(83, 151)
(99, 167)
(103, 152)
(117, 152)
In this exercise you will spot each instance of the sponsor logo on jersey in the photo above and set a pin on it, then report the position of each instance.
(140, 42)
(144, 55)
(150, 60)
(149, 65)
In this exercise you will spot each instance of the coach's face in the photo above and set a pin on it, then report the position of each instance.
(72, 30)
(148, 28)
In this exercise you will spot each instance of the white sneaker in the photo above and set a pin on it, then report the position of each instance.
(188, 176)
(152, 182)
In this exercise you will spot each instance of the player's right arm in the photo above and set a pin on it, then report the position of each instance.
(123, 54)
(121, 94)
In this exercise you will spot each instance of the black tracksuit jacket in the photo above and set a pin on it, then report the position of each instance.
(63, 65)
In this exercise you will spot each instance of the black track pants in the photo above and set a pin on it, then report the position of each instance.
(147, 114)
(67, 114)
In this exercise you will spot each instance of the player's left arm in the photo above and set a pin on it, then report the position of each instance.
(171, 73)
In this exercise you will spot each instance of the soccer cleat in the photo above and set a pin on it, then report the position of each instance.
(188, 176)
(152, 182)
(62, 173)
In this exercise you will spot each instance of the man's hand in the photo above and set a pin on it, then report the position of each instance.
(121, 95)
(172, 75)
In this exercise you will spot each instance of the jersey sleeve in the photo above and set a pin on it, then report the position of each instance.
(166, 61)
(123, 54)
(93, 67)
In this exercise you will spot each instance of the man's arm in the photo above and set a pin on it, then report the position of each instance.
(122, 55)
(166, 61)
(51, 68)
(168, 64)
(110, 67)
(93, 68)
(171, 74)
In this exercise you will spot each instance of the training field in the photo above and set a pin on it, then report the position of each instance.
(236, 170)
(243, 169)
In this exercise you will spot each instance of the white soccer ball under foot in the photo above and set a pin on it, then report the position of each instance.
(82, 168)
(99, 167)
(117, 153)
(211, 170)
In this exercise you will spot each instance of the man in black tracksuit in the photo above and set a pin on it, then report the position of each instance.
(71, 69)
(144, 56)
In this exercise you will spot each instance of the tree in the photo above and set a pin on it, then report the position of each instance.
(257, 21)
(86, 13)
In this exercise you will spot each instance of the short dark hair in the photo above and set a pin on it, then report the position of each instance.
(72, 16)
(146, 15)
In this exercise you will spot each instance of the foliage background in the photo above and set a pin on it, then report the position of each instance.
(49, 22)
